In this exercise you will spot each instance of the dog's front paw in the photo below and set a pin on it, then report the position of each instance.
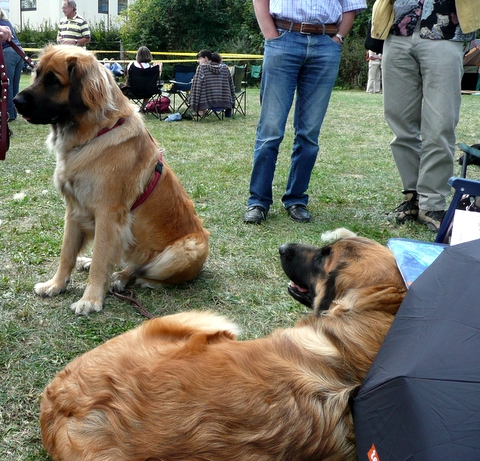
(84, 307)
(50, 288)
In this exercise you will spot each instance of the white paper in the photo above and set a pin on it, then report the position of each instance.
(466, 226)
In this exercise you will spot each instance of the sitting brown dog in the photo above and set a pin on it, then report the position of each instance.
(182, 388)
(118, 192)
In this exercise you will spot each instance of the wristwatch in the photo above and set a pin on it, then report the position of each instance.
(76, 42)
(341, 38)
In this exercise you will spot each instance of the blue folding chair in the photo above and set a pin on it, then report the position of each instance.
(462, 186)
(182, 83)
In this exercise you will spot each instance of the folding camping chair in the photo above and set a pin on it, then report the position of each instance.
(256, 73)
(144, 84)
(182, 83)
(240, 90)
(219, 112)
(466, 190)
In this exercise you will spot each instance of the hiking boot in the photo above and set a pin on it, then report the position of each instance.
(407, 210)
(432, 219)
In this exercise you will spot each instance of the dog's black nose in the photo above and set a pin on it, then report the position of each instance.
(286, 249)
(19, 101)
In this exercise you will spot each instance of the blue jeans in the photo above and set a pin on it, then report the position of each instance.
(307, 64)
(14, 65)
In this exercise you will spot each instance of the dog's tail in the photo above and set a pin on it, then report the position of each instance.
(177, 263)
(182, 326)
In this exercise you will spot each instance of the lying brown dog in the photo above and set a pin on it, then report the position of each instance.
(117, 191)
(182, 388)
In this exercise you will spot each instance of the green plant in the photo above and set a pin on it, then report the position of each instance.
(182, 24)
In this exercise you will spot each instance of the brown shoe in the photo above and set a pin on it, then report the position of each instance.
(432, 219)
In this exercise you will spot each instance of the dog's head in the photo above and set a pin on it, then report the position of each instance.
(69, 83)
(356, 268)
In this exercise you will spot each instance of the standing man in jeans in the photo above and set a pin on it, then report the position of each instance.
(303, 43)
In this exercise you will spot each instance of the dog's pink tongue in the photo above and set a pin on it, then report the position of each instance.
(298, 288)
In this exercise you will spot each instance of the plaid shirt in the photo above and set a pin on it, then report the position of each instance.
(314, 11)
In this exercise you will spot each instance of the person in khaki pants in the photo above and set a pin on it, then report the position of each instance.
(374, 84)
(422, 71)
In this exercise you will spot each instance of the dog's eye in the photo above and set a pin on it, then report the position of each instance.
(51, 79)
(326, 251)
(320, 256)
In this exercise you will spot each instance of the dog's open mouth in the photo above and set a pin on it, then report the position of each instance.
(300, 294)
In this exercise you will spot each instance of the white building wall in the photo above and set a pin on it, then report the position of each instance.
(51, 11)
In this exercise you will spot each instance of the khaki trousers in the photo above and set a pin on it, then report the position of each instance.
(422, 96)
(374, 77)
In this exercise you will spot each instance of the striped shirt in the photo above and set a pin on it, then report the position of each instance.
(73, 29)
(314, 11)
(212, 87)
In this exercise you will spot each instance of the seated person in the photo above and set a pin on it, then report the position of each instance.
(143, 60)
(204, 57)
(212, 87)
(116, 69)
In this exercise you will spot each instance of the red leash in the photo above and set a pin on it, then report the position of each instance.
(4, 133)
(23, 55)
(4, 130)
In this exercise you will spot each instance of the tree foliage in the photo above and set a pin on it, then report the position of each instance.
(179, 25)
(227, 26)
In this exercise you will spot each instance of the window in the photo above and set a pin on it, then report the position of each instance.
(103, 6)
(28, 5)
(122, 5)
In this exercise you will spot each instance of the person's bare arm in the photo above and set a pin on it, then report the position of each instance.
(345, 24)
(264, 18)
(79, 42)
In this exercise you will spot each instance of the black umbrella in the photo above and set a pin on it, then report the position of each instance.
(421, 398)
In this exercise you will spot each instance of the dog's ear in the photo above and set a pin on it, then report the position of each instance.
(89, 88)
(75, 101)
(323, 302)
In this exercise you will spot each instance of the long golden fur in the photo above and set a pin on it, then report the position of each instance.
(182, 388)
(102, 176)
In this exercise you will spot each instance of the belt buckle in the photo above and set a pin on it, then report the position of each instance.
(301, 28)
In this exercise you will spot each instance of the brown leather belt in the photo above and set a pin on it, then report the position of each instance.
(306, 28)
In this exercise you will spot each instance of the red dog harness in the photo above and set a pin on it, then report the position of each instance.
(158, 167)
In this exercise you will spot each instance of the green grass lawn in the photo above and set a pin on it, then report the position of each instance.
(354, 185)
